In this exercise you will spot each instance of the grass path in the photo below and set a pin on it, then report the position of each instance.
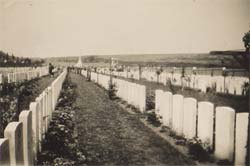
(108, 135)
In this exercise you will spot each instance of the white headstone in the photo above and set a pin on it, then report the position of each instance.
(178, 114)
(241, 138)
(26, 118)
(45, 112)
(205, 122)
(189, 119)
(132, 93)
(224, 136)
(137, 95)
(40, 120)
(47, 109)
(158, 95)
(231, 87)
(35, 127)
(53, 95)
(43, 115)
(4, 152)
(14, 133)
(168, 110)
(142, 98)
(203, 84)
(50, 108)
(220, 84)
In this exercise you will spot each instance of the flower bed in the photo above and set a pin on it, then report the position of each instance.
(9, 102)
(60, 144)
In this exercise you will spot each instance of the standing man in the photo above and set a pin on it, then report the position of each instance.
(51, 67)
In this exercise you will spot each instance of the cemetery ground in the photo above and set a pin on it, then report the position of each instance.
(16, 98)
(94, 130)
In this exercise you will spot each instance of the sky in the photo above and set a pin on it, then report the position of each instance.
(46, 28)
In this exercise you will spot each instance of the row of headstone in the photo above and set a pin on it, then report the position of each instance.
(22, 139)
(191, 119)
(127, 74)
(121, 74)
(43, 71)
(221, 84)
(94, 77)
(6, 70)
(149, 76)
(1, 78)
(103, 80)
(17, 77)
(230, 84)
(133, 93)
(84, 73)
(133, 75)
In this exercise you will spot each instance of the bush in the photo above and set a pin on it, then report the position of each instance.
(152, 118)
(60, 146)
(68, 95)
(197, 151)
(112, 90)
(225, 162)
(8, 110)
(150, 104)
(60, 137)
(246, 88)
(175, 136)
(11, 102)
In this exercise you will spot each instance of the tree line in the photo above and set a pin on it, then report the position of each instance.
(7, 60)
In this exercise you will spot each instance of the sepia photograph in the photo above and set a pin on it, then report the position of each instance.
(124, 82)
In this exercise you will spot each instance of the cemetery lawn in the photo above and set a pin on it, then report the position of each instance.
(108, 135)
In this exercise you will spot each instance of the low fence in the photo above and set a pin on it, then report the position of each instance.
(133, 93)
(22, 139)
(191, 119)
(25, 74)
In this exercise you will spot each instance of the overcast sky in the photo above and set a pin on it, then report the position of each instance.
(81, 27)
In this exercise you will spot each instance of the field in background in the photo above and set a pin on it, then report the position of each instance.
(177, 60)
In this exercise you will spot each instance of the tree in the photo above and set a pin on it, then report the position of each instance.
(158, 72)
(242, 57)
(246, 40)
(140, 71)
(245, 56)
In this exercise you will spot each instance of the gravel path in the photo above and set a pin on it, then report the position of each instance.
(108, 135)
